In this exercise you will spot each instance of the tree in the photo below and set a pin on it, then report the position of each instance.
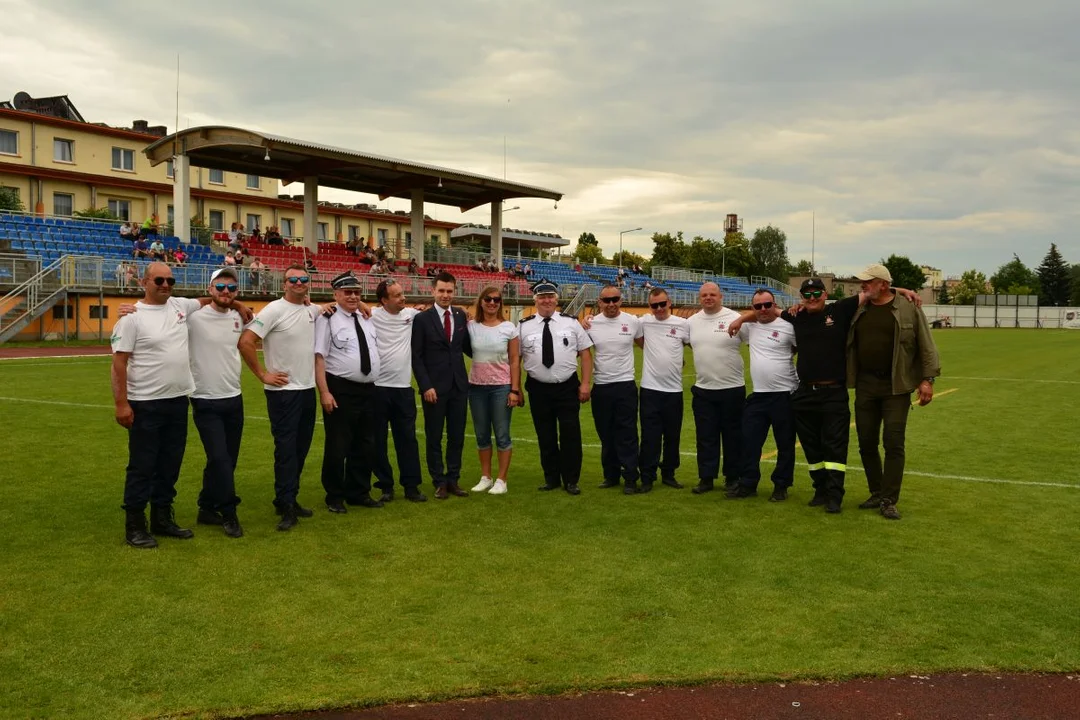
(768, 247)
(1074, 294)
(587, 253)
(905, 274)
(803, 268)
(628, 259)
(587, 238)
(9, 200)
(943, 295)
(669, 249)
(1013, 274)
(1054, 279)
(704, 254)
(837, 293)
(737, 259)
(972, 283)
(102, 213)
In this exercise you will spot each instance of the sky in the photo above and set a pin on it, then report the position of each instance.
(943, 130)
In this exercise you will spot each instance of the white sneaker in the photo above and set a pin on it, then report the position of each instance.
(484, 484)
(499, 488)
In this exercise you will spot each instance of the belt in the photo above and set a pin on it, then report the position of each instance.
(821, 385)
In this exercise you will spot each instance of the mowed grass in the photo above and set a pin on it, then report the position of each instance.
(537, 592)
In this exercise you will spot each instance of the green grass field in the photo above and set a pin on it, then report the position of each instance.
(537, 592)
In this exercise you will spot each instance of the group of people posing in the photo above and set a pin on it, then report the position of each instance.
(359, 364)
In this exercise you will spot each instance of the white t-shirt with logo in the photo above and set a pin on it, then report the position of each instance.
(717, 357)
(157, 338)
(663, 355)
(288, 334)
(215, 359)
(772, 349)
(613, 340)
(395, 346)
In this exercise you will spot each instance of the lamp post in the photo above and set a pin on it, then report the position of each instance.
(620, 243)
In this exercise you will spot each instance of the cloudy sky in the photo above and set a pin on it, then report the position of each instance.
(946, 130)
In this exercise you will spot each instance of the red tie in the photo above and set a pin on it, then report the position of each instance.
(446, 325)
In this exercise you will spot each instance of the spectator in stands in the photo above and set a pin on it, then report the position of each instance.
(121, 275)
(480, 265)
(149, 226)
(256, 236)
(131, 277)
(140, 249)
(273, 236)
(354, 245)
(157, 249)
(230, 261)
(528, 271)
(518, 270)
(367, 257)
(432, 271)
(414, 267)
(648, 285)
(637, 269)
(256, 270)
(620, 273)
(379, 268)
(180, 256)
(234, 237)
(125, 231)
(309, 265)
(239, 256)
(380, 253)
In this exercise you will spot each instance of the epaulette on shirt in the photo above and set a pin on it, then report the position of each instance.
(572, 317)
(527, 319)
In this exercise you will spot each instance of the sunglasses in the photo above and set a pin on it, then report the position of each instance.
(221, 287)
(493, 299)
(813, 294)
(762, 306)
(159, 281)
(658, 305)
(610, 300)
(303, 279)
(351, 291)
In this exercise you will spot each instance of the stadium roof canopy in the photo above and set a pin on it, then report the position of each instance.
(289, 160)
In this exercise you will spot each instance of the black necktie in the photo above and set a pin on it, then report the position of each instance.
(548, 354)
(365, 355)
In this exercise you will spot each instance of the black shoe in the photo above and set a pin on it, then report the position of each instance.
(337, 507)
(208, 517)
(162, 523)
(739, 492)
(889, 511)
(832, 507)
(730, 484)
(703, 487)
(415, 496)
(818, 500)
(387, 496)
(672, 483)
(630, 489)
(135, 531)
(778, 495)
(871, 503)
(573, 489)
(609, 484)
(368, 502)
(546, 487)
(288, 520)
(645, 487)
(300, 511)
(231, 526)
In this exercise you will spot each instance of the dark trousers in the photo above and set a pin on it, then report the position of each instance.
(661, 428)
(292, 423)
(221, 425)
(556, 414)
(450, 412)
(762, 410)
(349, 450)
(395, 411)
(823, 423)
(615, 410)
(156, 442)
(718, 421)
(881, 419)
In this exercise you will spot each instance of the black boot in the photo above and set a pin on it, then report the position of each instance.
(162, 523)
(231, 525)
(288, 519)
(135, 530)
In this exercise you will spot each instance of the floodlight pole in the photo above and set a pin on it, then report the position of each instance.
(619, 264)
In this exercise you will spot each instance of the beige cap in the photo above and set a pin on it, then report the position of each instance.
(875, 272)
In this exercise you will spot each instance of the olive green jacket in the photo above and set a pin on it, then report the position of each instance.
(915, 355)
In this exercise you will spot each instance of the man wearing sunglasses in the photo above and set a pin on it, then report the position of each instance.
(719, 391)
(287, 329)
(614, 394)
(663, 337)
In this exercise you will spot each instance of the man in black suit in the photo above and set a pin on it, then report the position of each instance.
(440, 341)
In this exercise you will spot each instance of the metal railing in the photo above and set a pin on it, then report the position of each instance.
(586, 294)
(29, 299)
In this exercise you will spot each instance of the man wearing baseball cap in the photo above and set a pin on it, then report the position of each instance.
(890, 354)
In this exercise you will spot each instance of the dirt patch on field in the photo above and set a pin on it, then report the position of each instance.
(961, 696)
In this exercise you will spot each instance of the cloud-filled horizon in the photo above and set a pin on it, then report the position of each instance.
(944, 131)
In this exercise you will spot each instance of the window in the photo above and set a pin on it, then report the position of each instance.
(408, 236)
(435, 239)
(382, 237)
(354, 232)
(59, 312)
(123, 159)
(63, 150)
(217, 220)
(253, 221)
(322, 230)
(121, 209)
(217, 177)
(169, 171)
(170, 216)
(63, 204)
(286, 227)
(253, 182)
(99, 312)
(9, 142)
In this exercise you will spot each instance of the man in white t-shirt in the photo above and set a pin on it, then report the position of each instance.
(217, 404)
(719, 390)
(150, 382)
(395, 399)
(287, 329)
(614, 394)
(663, 337)
(772, 348)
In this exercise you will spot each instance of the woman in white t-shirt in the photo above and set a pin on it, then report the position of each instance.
(494, 385)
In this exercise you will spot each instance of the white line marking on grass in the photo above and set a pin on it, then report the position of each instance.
(856, 468)
(1001, 379)
(97, 361)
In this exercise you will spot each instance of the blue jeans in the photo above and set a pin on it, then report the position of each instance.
(489, 410)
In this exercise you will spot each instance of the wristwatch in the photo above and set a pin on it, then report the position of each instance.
(929, 380)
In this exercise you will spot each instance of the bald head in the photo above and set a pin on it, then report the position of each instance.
(710, 296)
(156, 268)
